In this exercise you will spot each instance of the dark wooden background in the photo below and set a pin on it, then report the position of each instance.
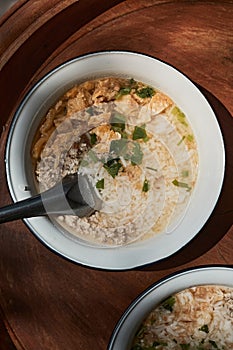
(47, 302)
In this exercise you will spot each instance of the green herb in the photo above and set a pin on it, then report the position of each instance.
(123, 91)
(179, 115)
(119, 147)
(129, 150)
(93, 156)
(146, 186)
(185, 173)
(140, 133)
(181, 140)
(185, 346)
(90, 110)
(93, 139)
(132, 83)
(141, 332)
(153, 169)
(181, 184)
(204, 328)
(190, 138)
(117, 122)
(113, 166)
(137, 154)
(145, 92)
(100, 184)
(212, 342)
(169, 303)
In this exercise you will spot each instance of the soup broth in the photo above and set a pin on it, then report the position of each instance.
(137, 148)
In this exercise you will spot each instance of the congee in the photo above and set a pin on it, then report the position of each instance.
(196, 318)
(137, 148)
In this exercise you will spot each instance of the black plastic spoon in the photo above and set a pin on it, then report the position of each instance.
(74, 195)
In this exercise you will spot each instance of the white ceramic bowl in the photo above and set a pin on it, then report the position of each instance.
(163, 77)
(129, 323)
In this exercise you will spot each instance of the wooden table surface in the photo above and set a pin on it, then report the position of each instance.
(47, 302)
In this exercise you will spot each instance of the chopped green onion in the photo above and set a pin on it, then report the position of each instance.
(148, 167)
(93, 156)
(117, 122)
(123, 91)
(90, 110)
(140, 133)
(185, 173)
(179, 115)
(93, 139)
(146, 186)
(132, 83)
(141, 331)
(137, 154)
(145, 92)
(213, 343)
(204, 328)
(118, 147)
(169, 303)
(181, 140)
(129, 150)
(113, 166)
(190, 137)
(100, 184)
(181, 184)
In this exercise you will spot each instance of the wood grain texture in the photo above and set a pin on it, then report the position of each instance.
(48, 302)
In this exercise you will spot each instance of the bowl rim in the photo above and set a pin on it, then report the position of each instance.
(30, 222)
(156, 285)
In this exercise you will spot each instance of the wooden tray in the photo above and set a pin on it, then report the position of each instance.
(46, 301)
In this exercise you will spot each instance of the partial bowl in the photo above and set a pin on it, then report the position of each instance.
(161, 76)
(130, 322)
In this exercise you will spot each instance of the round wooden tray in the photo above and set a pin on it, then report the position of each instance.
(48, 302)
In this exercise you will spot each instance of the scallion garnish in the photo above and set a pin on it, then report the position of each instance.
(119, 147)
(190, 137)
(213, 343)
(136, 154)
(153, 169)
(181, 140)
(204, 328)
(146, 186)
(185, 173)
(117, 122)
(93, 156)
(169, 303)
(113, 166)
(123, 91)
(179, 115)
(93, 138)
(140, 133)
(145, 92)
(100, 184)
(129, 150)
(181, 184)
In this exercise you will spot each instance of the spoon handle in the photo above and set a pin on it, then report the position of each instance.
(26, 208)
(65, 198)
